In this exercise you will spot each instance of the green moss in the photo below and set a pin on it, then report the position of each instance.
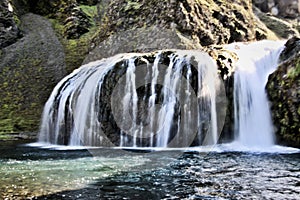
(91, 11)
(6, 126)
(17, 92)
(58, 27)
(132, 6)
(76, 49)
(75, 52)
(295, 71)
(6, 137)
(17, 20)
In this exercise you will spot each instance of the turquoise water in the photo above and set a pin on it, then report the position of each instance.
(47, 173)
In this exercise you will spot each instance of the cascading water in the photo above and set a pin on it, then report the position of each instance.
(136, 100)
(253, 123)
(162, 99)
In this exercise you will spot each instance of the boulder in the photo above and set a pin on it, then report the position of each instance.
(29, 69)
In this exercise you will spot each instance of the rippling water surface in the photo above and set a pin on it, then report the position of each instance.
(39, 173)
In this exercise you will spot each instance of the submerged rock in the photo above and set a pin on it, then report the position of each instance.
(283, 89)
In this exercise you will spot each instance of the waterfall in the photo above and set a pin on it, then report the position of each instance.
(170, 98)
(161, 99)
(253, 123)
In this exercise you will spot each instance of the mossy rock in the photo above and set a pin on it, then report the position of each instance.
(283, 91)
(30, 68)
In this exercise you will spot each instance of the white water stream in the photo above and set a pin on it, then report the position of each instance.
(253, 123)
(170, 116)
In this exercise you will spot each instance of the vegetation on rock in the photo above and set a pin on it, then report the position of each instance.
(284, 93)
(29, 69)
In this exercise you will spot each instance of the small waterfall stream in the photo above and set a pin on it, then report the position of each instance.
(253, 123)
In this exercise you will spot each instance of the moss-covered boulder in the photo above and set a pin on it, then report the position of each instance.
(29, 69)
(284, 93)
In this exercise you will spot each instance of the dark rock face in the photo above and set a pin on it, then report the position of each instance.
(284, 93)
(29, 69)
(9, 31)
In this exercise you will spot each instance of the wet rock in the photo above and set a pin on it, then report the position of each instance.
(284, 93)
(292, 47)
(225, 61)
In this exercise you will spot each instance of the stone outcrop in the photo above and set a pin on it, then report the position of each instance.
(284, 93)
(193, 22)
(280, 16)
